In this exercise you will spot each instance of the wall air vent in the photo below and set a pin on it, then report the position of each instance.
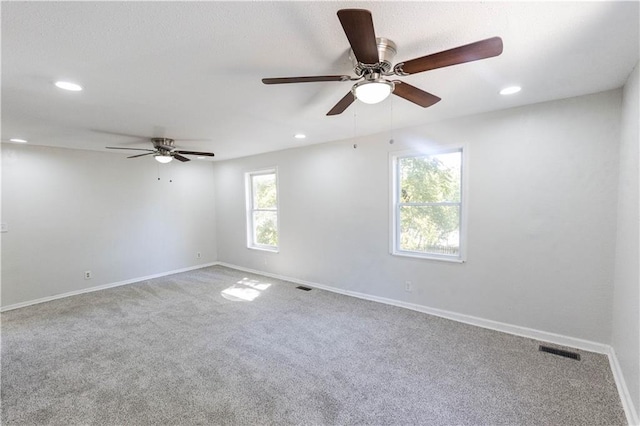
(560, 352)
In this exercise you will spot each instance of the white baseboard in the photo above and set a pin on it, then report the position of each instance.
(102, 287)
(623, 390)
(558, 339)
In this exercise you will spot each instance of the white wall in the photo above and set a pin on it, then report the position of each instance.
(542, 202)
(546, 192)
(69, 211)
(626, 303)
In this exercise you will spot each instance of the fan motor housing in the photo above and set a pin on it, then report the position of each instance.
(386, 52)
(163, 144)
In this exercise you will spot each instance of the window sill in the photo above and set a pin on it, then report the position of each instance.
(269, 249)
(428, 257)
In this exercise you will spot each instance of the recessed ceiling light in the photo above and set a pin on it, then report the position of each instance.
(299, 136)
(67, 85)
(17, 140)
(510, 90)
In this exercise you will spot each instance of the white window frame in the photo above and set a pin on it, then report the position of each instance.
(394, 240)
(250, 209)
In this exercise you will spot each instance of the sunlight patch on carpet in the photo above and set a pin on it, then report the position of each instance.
(245, 290)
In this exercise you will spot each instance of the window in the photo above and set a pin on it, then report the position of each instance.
(427, 217)
(262, 210)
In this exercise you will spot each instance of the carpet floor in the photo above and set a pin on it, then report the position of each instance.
(220, 346)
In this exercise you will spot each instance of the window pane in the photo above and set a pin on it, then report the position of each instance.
(264, 191)
(430, 179)
(430, 229)
(265, 228)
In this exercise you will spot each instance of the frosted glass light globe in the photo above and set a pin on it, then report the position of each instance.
(164, 159)
(372, 92)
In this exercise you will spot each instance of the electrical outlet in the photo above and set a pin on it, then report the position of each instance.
(87, 275)
(4, 227)
(198, 255)
(407, 286)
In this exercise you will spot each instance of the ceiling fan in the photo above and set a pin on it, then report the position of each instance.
(164, 150)
(372, 58)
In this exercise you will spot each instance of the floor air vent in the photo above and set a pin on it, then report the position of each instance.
(301, 287)
(560, 352)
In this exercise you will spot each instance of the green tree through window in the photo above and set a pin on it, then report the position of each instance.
(263, 209)
(428, 204)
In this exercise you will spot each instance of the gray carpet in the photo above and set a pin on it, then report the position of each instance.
(173, 350)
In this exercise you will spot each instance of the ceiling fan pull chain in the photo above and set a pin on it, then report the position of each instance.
(391, 121)
(354, 127)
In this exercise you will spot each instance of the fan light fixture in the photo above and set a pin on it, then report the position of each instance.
(372, 91)
(164, 159)
(372, 61)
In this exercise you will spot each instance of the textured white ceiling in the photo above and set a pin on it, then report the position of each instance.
(192, 70)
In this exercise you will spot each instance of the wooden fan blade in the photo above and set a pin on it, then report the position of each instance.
(415, 95)
(342, 104)
(142, 155)
(131, 149)
(358, 26)
(106, 132)
(201, 154)
(459, 55)
(180, 157)
(313, 79)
